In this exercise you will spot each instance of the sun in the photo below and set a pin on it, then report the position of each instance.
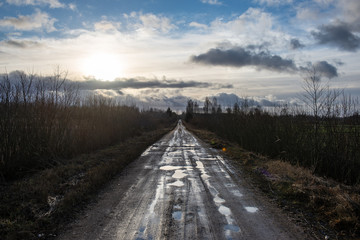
(103, 66)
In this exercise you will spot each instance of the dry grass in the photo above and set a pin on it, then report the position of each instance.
(323, 206)
(38, 206)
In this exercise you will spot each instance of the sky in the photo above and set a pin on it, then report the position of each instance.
(160, 53)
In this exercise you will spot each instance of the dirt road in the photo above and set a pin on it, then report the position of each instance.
(181, 189)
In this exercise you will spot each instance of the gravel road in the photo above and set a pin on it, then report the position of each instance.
(180, 188)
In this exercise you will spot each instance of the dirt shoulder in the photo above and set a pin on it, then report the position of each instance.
(37, 207)
(325, 208)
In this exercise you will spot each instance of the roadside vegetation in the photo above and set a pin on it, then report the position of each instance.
(323, 135)
(58, 148)
(325, 208)
(306, 156)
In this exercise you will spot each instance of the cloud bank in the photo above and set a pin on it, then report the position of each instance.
(36, 21)
(242, 57)
(133, 83)
(263, 59)
(338, 35)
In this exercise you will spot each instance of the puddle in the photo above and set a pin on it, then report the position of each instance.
(237, 193)
(251, 209)
(177, 215)
(204, 176)
(224, 210)
(178, 183)
(213, 191)
(218, 199)
(229, 185)
(179, 174)
(199, 164)
(231, 227)
(159, 191)
(170, 168)
(141, 233)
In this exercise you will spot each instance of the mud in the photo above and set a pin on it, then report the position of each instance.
(182, 189)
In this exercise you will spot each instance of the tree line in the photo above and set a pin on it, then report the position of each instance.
(44, 121)
(322, 135)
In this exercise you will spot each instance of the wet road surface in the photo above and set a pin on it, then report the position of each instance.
(181, 189)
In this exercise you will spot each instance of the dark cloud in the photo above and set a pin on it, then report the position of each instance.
(92, 84)
(17, 44)
(295, 44)
(241, 57)
(323, 67)
(21, 44)
(326, 69)
(338, 35)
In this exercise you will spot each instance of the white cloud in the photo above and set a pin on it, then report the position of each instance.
(307, 14)
(106, 26)
(156, 23)
(252, 27)
(198, 25)
(212, 2)
(72, 6)
(350, 12)
(51, 3)
(37, 21)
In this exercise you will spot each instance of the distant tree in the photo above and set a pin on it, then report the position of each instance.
(245, 105)
(207, 105)
(214, 105)
(219, 110)
(236, 108)
(169, 112)
(196, 107)
(228, 110)
(189, 110)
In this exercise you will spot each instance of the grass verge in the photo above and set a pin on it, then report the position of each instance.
(324, 207)
(37, 207)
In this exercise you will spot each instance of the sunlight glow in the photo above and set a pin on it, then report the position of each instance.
(103, 66)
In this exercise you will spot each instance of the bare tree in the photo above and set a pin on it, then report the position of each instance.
(316, 99)
(315, 90)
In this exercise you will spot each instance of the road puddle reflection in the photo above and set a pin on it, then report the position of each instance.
(251, 209)
(170, 168)
(178, 183)
(179, 174)
(224, 210)
(237, 193)
(177, 215)
(231, 227)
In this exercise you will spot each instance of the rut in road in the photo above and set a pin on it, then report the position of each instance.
(181, 189)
